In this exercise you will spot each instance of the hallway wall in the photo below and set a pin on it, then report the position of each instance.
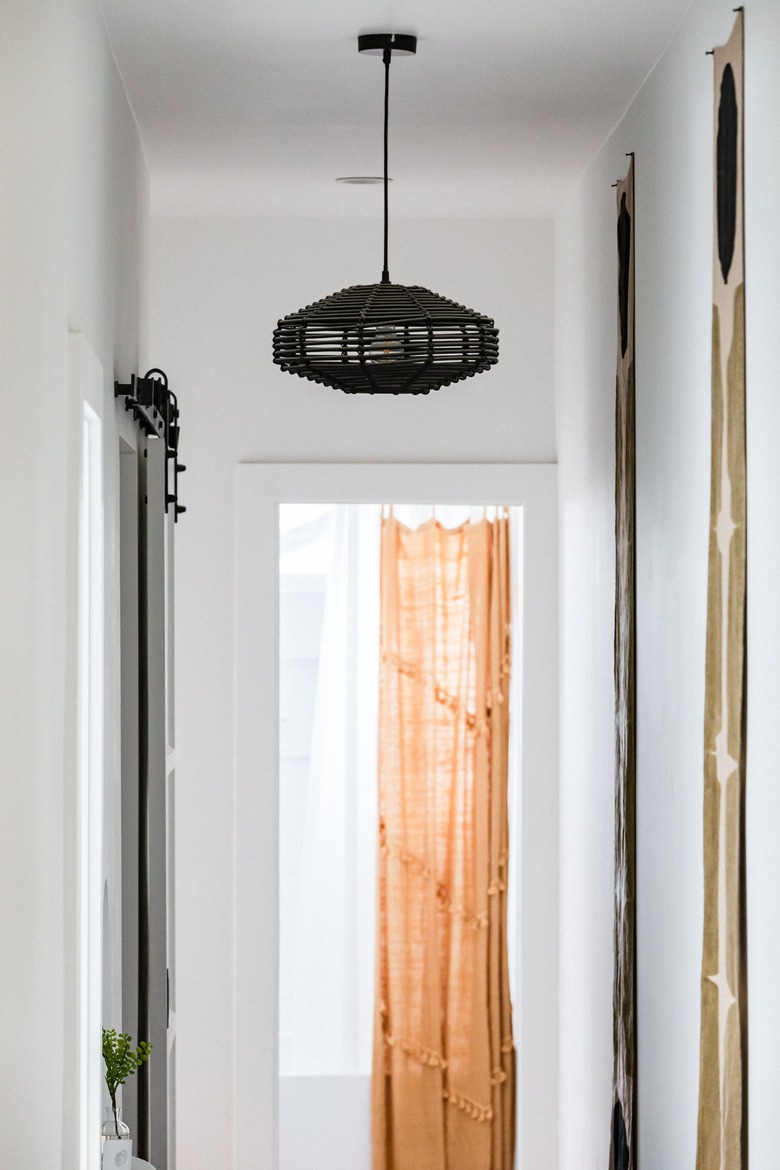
(218, 287)
(72, 253)
(669, 125)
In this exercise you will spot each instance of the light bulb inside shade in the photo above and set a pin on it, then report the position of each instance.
(386, 347)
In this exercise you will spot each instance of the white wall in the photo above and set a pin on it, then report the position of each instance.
(669, 126)
(217, 290)
(72, 214)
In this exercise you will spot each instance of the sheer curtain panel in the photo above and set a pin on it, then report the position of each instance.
(444, 1062)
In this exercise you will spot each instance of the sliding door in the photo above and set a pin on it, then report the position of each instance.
(147, 792)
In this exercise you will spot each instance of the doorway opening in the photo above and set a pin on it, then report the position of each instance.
(260, 489)
(329, 668)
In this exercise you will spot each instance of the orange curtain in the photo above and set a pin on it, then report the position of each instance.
(443, 1084)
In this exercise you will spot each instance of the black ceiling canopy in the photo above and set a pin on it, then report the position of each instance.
(385, 338)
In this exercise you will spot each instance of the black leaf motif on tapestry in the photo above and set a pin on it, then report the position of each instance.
(620, 1160)
(624, 269)
(727, 171)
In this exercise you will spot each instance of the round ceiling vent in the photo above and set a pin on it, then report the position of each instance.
(361, 180)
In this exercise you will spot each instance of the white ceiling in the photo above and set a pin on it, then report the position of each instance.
(254, 106)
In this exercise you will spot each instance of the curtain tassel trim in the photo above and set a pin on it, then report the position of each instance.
(473, 1109)
(458, 710)
(430, 1058)
(477, 920)
(426, 1056)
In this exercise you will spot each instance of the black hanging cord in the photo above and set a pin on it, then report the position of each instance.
(386, 57)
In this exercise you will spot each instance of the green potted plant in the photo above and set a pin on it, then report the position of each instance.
(121, 1061)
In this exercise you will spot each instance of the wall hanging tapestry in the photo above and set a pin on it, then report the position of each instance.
(623, 1140)
(723, 1068)
(443, 1086)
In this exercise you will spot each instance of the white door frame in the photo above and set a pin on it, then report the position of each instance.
(86, 384)
(260, 490)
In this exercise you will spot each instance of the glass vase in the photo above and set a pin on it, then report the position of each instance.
(113, 1127)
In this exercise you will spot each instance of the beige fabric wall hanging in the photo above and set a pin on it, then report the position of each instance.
(443, 1085)
(623, 1137)
(722, 1080)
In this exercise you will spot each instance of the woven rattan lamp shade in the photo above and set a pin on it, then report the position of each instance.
(385, 339)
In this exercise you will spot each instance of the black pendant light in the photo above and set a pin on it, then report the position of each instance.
(385, 338)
